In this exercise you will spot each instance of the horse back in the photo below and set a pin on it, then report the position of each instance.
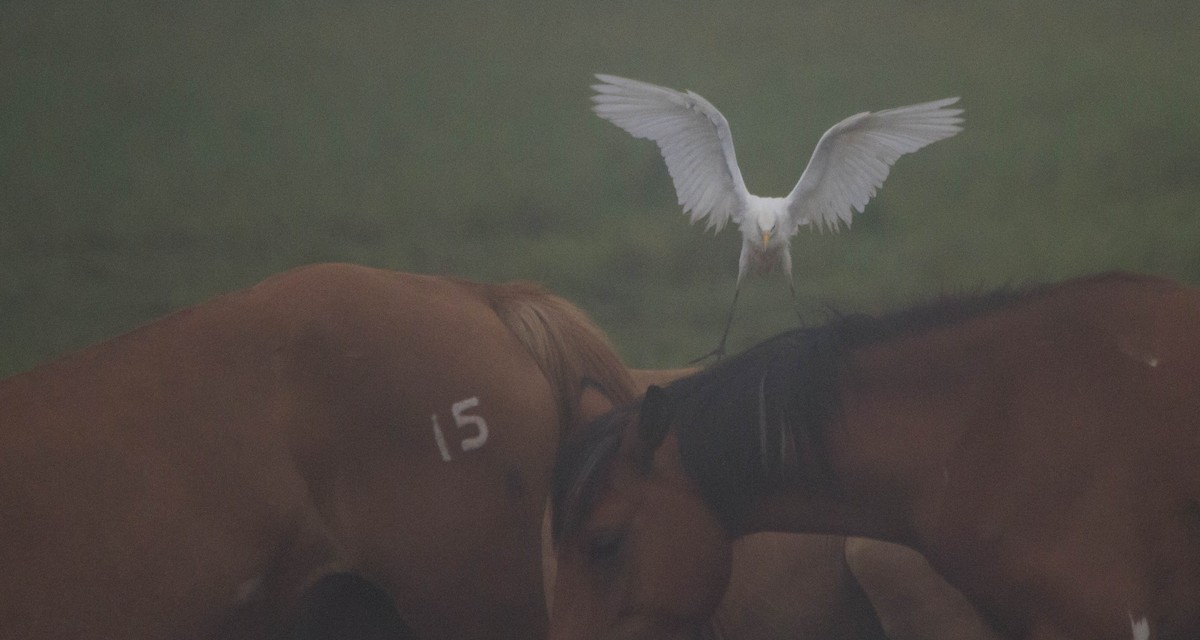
(1064, 426)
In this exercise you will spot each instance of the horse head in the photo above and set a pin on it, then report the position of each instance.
(640, 554)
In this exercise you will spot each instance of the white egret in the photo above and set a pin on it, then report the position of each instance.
(850, 162)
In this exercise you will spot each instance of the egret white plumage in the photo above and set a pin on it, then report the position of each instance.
(849, 164)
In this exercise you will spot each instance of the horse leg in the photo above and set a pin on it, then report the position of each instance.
(912, 601)
(345, 605)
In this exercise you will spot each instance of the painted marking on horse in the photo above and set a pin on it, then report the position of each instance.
(461, 420)
(440, 439)
(1140, 627)
(1142, 355)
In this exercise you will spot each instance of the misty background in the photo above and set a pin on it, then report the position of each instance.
(153, 155)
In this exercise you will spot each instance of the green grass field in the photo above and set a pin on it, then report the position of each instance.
(156, 154)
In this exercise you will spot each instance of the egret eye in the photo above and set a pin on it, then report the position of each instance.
(604, 546)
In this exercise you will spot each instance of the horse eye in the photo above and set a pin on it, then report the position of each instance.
(604, 546)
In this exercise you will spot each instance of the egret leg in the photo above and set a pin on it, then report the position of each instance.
(795, 302)
(719, 352)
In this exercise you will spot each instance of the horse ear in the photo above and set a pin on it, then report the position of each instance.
(652, 424)
(593, 401)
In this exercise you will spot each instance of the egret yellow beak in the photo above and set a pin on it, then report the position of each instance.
(766, 238)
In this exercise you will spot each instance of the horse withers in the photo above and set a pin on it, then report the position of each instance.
(1039, 448)
(332, 429)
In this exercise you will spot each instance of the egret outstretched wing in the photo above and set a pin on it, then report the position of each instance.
(694, 139)
(853, 159)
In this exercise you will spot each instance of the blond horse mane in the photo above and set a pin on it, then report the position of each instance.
(567, 346)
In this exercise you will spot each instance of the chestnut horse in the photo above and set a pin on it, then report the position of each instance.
(1039, 448)
(335, 432)
(821, 587)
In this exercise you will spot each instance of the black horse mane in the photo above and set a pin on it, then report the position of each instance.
(758, 419)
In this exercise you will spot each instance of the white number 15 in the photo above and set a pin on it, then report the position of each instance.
(462, 420)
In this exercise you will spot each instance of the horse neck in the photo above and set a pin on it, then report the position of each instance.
(904, 406)
(566, 345)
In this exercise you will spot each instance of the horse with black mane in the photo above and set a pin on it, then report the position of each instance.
(1039, 447)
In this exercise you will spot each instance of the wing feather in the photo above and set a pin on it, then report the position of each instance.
(854, 157)
(692, 136)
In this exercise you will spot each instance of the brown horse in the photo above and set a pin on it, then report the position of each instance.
(335, 432)
(1040, 449)
(821, 587)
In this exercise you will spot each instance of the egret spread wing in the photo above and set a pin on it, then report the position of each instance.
(853, 159)
(693, 137)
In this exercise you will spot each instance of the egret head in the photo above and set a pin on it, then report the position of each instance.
(767, 226)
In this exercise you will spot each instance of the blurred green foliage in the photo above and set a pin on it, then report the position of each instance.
(156, 154)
